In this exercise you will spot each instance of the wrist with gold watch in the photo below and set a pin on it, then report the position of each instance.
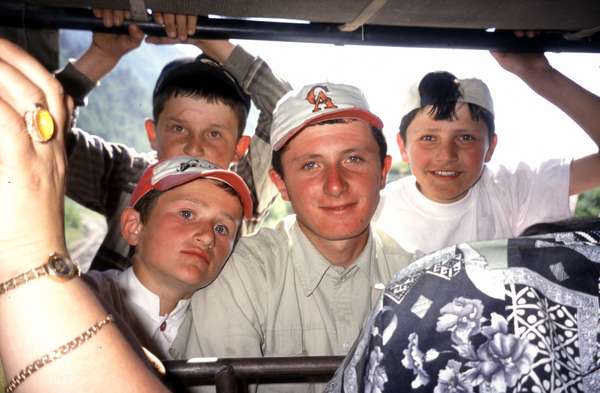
(58, 268)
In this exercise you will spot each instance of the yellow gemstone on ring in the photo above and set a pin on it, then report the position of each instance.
(44, 124)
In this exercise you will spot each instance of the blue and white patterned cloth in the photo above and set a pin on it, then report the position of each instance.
(519, 315)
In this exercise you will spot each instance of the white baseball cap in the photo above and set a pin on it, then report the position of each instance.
(315, 103)
(472, 90)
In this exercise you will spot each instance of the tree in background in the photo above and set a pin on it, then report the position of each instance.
(588, 204)
(115, 111)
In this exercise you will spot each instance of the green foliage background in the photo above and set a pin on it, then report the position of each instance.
(588, 204)
(116, 109)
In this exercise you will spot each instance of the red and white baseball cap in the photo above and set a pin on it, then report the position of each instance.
(315, 103)
(177, 171)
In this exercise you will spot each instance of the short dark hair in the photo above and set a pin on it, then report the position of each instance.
(146, 204)
(441, 90)
(211, 91)
(377, 135)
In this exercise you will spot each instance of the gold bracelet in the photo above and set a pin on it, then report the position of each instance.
(57, 267)
(57, 353)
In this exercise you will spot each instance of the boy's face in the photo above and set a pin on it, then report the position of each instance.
(332, 177)
(446, 157)
(195, 127)
(188, 236)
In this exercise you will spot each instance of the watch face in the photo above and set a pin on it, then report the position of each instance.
(62, 267)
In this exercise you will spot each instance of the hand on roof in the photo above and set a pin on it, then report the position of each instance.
(115, 46)
(110, 17)
(177, 26)
(523, 64)
(107, 49)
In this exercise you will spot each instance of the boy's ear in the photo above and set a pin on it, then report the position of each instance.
(387, 165)
(131, 226)
(151, 132)
(279, 183)
(241, 147)
(491, 148)
(402, 147)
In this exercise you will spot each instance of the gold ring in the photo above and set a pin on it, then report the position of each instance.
(39, 124)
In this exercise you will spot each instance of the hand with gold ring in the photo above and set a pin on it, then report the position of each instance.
(33, 115)
(45, 316)
(39, 123)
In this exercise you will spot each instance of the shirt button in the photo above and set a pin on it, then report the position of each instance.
(163, 326)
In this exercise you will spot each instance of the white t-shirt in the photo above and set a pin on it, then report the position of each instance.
(503, 203)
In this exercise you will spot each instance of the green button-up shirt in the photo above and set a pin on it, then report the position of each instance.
(278, 296)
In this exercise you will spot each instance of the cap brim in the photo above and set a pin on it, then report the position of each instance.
(227, 177)
(331, 114)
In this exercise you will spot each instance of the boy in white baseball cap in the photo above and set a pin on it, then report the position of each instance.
(305, 286)
(447, 136)
(183, 221)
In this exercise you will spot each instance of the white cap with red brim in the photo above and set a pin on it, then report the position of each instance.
(315, 103)
(177, 171)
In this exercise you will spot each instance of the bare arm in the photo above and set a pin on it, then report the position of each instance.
(580, 104)
(219, 50)
(107, 49)
(43, 314)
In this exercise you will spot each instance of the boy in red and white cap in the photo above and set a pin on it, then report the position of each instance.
(182, 223)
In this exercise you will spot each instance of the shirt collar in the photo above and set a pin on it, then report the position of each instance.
(147, 300)
(312, 266)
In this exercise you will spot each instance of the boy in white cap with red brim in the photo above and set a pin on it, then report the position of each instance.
(182, 223)
(304, 287)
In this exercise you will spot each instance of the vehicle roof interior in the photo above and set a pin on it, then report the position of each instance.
(572, 15)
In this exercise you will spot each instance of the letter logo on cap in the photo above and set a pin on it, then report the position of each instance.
(318, 97)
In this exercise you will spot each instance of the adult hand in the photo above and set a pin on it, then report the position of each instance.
(31, 173)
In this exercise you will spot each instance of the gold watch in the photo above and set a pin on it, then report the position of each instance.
(58, 267)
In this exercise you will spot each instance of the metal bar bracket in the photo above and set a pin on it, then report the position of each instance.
(138, 10)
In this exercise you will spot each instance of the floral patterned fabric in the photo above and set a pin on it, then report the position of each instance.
(505, 316)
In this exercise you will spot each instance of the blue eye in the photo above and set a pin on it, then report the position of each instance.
(221, 229)
(309, 165)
